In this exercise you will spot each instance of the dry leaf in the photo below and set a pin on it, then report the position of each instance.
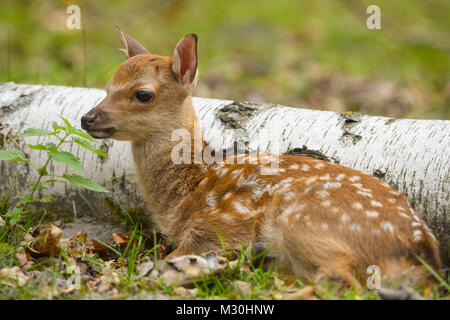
(121, 240)
(82, 237)
(99, 247)
(46, 243)
(12, 277)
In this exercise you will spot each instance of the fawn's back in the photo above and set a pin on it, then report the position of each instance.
(315, 217)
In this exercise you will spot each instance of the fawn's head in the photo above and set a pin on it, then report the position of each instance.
(147, 94)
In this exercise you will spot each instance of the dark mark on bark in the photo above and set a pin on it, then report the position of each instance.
(389, 121)
(237, 113)
(304, 151)
(22, 101)
(377, 173)
(350, 120)
(105, 147)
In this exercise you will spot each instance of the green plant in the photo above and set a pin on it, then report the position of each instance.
(63, 134)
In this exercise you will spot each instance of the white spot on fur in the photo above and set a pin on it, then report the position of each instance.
(325, 177)
(331, 185)
(322, 194)
(345, 217)
(294, 167)
(417, 234)
(335, 210)
(227, 195)
(211, 200)
(271, 171)
(297, 216)
(376, 232)
(357, 206)
(360, 187)
(415, 224)
(404, 215)
(354, 178)
(319, 165)
(376, 203)
(324, 226)
(392, 200)
(289, 196)
(237, 172)
(355, 227)
(281, 183)
(241, 208)
(222, 172)
(311, 180)
(395, 193)
(387, 226)
(226, 217)
(326, 203)
(364, 193)
(305, 167)
(340, 176)
(372, 214)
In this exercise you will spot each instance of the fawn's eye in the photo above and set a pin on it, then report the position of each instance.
(145, 96)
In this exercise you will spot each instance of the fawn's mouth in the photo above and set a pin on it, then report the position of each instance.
(102, 133)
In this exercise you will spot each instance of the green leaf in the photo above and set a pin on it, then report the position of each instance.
(37, 186)
(13, 215)
(28, 199)
(51, 146)
(42, 171)
(13, 155)
(46, 199)
(51, 181)
(57, 127)
(69, 126)
(82, 134)
(84, 182)
(86, 145)
(68, 159)
(37, 146)
(33, 132)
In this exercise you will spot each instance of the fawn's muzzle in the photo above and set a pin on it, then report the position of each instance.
(87, 120)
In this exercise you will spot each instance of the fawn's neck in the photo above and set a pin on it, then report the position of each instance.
(162, 182)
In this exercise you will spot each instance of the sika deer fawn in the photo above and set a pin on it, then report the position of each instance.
(320, 219)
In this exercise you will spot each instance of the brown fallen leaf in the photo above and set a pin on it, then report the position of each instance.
(82, 237)
(121, 239)
(46, 243)
(99, 247)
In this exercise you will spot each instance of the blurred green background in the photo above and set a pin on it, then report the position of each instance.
(314, 54)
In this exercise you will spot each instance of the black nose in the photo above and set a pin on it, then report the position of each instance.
(87, 120)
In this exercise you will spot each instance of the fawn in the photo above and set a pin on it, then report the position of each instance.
(320, 220)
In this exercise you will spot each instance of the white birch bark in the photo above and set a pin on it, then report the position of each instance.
(410, 155)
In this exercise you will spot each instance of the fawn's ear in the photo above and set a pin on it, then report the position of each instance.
(185, 61)
(130, 46)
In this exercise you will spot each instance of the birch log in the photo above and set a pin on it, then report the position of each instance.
(410, 155)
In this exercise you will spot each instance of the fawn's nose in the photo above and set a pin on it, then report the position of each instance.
(87, 120)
